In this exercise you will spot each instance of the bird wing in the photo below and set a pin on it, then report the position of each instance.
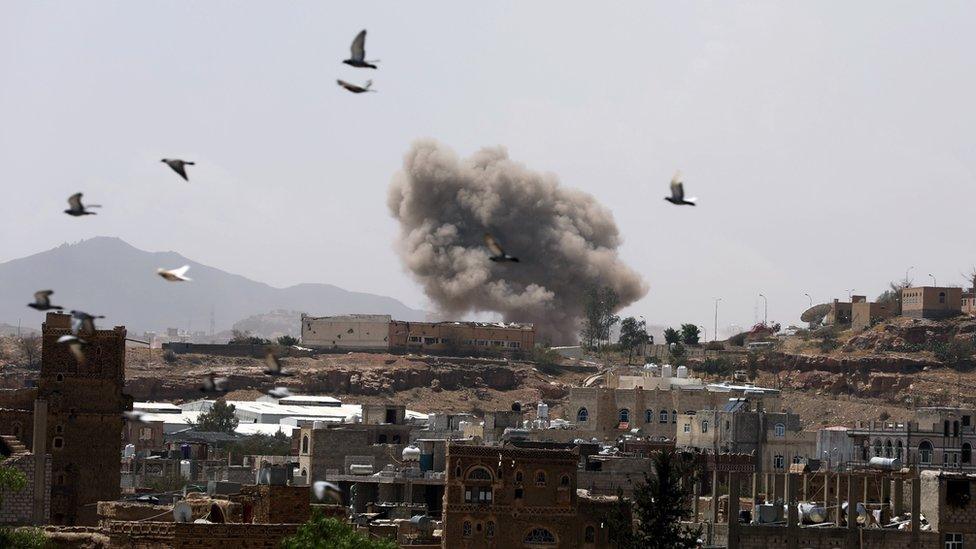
(493, 245)
(272, 362)
(177, 166)
(181, 272)
(43, 296)
(677, 187)
(346, 85)
(359, 46)
(75, 201)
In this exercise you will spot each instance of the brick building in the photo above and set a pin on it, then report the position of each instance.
(502, 497)
(84, 418)
(463, 337)
(938, 438)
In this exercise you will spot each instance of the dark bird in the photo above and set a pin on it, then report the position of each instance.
(326, 490)
(678, 192)
(42, 301)
(273, 365)
(75, 345)
(497, 252)
(357, 57)
(354, 88)
(77, 209)
(82, 322)
(179, 166)
(213, 384)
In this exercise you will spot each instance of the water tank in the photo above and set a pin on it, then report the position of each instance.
(767, 513)
(812, 513)
(185, 469)
(129, 450)
(683, 372)
(666, 371)
(411, 453)
(360, 469)
(542, 410)
(318, 425)
(888, 464)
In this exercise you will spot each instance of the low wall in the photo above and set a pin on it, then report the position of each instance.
(139, 535)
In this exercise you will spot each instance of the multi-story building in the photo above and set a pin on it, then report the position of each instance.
(463, 337)
(500, 497)
(935, 302)
(938, 438)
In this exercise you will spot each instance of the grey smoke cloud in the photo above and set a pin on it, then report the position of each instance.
(565, 239)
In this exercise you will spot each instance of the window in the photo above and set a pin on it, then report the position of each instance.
(967, 453)
(648, 416)
(477, 494)
(796, 459)
(664, 416)
(779, 430)
(305, 444)
(779, 462)
(687, 428)
(59, 377)
(674, 416)
(564, 481)
(483, 342)
(898, 449)
(58, 442)
(582, 415)
(953, 541)
(589, 535)
(59, 429)
(446, 341)
(382, 439)
(540, 478)
(490, 529)
(955, 428)
(966, 420)
(887, 448)
(479, 473)
(518, 476)
(466, 529)
(941, 297)
(457, 471)
(704, 425)
(539, 536)
(624, 415)
(430, 340)
(414, 339)
(514, 344)
(145, 433)
(925, 452)
(396, 439)
(519, 492)
(877, 448)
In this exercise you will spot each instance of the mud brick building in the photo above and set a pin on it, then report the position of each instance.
(83, 426)
(501, 497)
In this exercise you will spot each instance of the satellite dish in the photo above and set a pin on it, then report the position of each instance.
(815, 313)
(182, 511)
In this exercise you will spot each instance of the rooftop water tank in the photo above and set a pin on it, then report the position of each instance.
(888, 464)
(360, 469)
(683, 372)
(411, 453)
(666, 371)
(542, 410)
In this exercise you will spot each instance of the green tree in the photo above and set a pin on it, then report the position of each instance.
(11, 480)
(689, 334)
(287, 341)
(219, 419)
(672, 336)
(678, 354)
(599, 306)
(24, 538)
(660, 504)
(633, 334)
(330, 533)
(278, 444)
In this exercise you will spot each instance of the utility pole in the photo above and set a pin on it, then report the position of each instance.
(765, 309)
(715, 324)
(810, 298)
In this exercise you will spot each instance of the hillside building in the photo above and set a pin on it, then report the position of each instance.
(934, 302)
(347, 332)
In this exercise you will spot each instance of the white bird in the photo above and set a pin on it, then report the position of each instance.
(178, 166)
(42, 301)
(354, 88)
(280, 392)
(78, 209)
(134, 416)
(274, 367)
(357, 54)
(175, 275)
(75, 346)
(323, 490)
(678, 192)
(498, 253)
(213, 384)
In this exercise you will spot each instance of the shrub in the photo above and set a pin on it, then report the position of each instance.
(287, 341)
(24, 538)
(714, 346)
(169, 356)
(330, 533)
(738, 340)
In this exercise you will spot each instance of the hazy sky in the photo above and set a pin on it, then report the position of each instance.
(832, 144)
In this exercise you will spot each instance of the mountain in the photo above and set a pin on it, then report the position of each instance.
(108, 276)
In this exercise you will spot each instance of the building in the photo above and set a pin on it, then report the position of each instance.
(347, 332)
(935, 302)
(327, 450)
(652, 402)
(742, 427)
(938, 438)
(968, 302)
(866, 313)
(500, 497)
(32, 504)
(83, 430)
(462, 337)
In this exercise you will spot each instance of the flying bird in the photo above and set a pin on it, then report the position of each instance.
(134, 417)
(280, 392)
(78, 209)
(82, 322)
(179, 166)
(175, 275)
(498, 253)
(354, 88)
(326, 490)
(678, 192)
(357, 57)
(273, 365)
(42, 301)
(213, 384)
(75, 346)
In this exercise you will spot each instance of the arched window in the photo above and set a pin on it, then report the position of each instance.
(941, 297)
(648, 416)
(674, 416)
(518, 476)
(898, 449)
(664, 416)
(624, 415)
(779, 430)
(955, 428)
(490, 529)
(466, 529)
(779, 462)
(479, 473)
(887, 448)
(967, 453)
(564, 481)
(582, 415)
(945, 428)
(704, 425)
(877, 448)
(540, 478)
(925, 452)
(589, 535)
(304, 473)
(305, 444)
(539, 536)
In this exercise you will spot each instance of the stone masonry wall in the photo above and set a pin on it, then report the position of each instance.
(17, 508)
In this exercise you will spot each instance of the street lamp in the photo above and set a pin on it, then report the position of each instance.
(715, 325)
(849, 292)
(810, 298)
(765, 309)
(934, 281)
(906, 273)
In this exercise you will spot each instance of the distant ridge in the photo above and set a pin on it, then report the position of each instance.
(106, 275)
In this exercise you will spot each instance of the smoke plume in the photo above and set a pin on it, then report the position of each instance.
(565, 240)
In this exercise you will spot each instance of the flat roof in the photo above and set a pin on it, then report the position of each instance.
(159, 407)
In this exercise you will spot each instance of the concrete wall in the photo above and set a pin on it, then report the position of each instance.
(353, 332)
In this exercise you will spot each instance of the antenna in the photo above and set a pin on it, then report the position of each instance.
(182, 511)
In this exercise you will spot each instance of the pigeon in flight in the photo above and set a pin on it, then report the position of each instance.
(498, 253)
(213, 384)
(82, 322)
(175, 275)
(42, 301)
(354, 88)
(280, 392)
(77, 209)
(75, 346)
(326, 490)
(179, 166)
(357, 57)
(273, 366)
(678, 192)
(134, 416)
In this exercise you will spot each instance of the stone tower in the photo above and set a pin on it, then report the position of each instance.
(84, 426)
